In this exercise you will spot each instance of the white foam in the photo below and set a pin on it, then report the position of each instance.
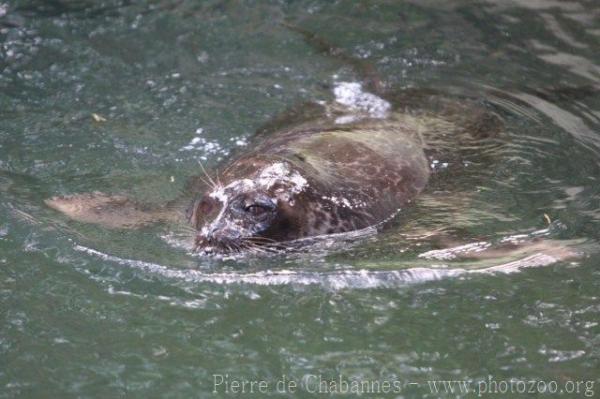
(454, 252)
(352, 95)
(345, 119)
(280, 172)
(276, 173)
(201, 144)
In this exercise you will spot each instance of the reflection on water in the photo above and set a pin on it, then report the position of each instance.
(127, 97)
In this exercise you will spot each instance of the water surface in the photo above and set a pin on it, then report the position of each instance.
(90, 312)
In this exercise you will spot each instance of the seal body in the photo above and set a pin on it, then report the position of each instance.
(326, 175)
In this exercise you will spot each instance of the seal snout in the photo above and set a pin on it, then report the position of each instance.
(218, 240)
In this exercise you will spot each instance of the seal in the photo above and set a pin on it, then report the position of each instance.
(321, 169)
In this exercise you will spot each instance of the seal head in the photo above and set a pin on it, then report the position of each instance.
(249, 212)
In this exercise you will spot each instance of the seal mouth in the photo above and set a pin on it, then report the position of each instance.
(212, 246)
(227, 246)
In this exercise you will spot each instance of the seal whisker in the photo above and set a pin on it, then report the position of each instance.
(214, 185)
(248, 245)
(265, 244)
(184, 231)
(251, 240)
(258, 249)
(218, 179)
(258, 239)
(186, 228)
(209, 184)
(249, 248)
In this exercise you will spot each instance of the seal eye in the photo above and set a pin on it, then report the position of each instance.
(256, 209)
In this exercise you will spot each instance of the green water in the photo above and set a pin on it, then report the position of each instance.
(89, 312)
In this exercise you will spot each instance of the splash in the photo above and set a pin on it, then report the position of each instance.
(351, 95)
(200, 144)
(332, 280)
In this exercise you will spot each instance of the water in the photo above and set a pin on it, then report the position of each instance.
(90, 312)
